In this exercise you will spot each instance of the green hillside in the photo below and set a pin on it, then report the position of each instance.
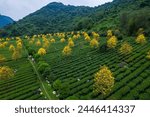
(126, 15)
(67, 52)
(5, 20)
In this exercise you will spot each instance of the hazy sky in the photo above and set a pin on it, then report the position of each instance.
(18, 9)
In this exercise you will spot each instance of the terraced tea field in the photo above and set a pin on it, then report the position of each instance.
(76, 71)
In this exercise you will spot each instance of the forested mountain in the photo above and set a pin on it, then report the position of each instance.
(127, 15)
(5, 20)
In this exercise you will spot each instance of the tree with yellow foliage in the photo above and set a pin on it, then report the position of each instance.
(19, 45)
(2, 45)
(95, 35)
(126, 48)
(16, 54)
(2, 58)
(112, 42)
(46, 44)
(41, 51)
(5, 43)
(62, 40)
(141, 39)
(6, 73)
(94, 43)
(103, 81)
(38, 43)
(67, 50)
(87, 38)
(71, 43)
(52, 40)
(11, 48)
(109, 34)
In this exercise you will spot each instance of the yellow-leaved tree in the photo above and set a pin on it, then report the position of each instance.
(6, 72)
(141, 39)
(16, 54)
(2, 45)
(87, 38)
(67, 50)
(46, 44)
(41, 51)
(11, 48)
(94, 43)
(112, 42)
(126, 48)
(95, 35)
(52, 40)
(2, 58)
(71, 43)
(103, 81)
(109, 34)
(62, 40)
(19, 45)
(38, 43)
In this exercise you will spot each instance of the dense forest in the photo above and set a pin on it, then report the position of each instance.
(5, 20)
(125, 15)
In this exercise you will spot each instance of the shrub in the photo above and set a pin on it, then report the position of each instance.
(57, 85)
(42, 66)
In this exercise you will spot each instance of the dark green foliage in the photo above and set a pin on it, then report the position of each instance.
(57, 85)
(37, 57)
(62, 89)
(42, 66)
(131, 22)
(5, 20)
(47, 72)
(126, 15)
(55, 17)
(31, 51)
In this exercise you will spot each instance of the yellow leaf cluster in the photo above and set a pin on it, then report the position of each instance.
(71, 43)
(38, 43)
(4, 44)
(67, 50)
(95, 35)
(94, 43)
(6, 73)
(126, 48)
(16, 54)
(2, 58)
(109, 33)
(62, 40)
(141, 39)
(11, 48)
(112, 42)
(19, 45)
(41, 51)
(103, 81)
(46, 43)
(52, 40)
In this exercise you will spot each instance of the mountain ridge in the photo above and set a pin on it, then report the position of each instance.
(57, 17)
(5, 20)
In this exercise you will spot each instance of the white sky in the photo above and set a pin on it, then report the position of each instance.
(18, 9)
